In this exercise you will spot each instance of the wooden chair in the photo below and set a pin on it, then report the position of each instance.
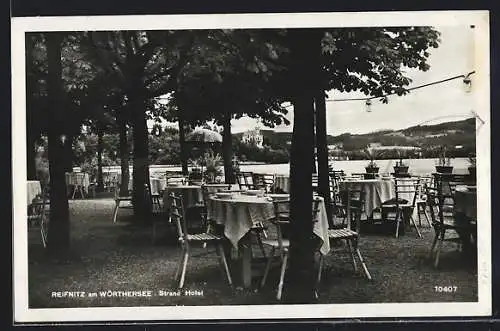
(245, 180)
(264, 181)
(441, 206)
(187, 239)
(281, 243)
(400, 206)
(77, 180)
(337, 205)
(119, 199)
(348, 235)
(39, 214)
(421, 199)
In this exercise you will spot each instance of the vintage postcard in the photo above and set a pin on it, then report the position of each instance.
(162, 163)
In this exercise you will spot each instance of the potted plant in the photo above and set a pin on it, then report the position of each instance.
(472, 165)
(444, 163)
(401, 168)
(212, 167)
(372, 167)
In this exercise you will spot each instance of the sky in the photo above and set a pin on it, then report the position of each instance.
(438, 103)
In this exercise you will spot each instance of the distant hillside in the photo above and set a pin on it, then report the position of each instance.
(425, 136)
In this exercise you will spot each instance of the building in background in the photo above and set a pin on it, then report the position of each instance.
(253, 137)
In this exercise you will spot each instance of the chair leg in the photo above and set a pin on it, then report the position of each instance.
(74, 191)
(397, 223)
(438, 250)
(427, 217)
(81, 191)
(220, 252)
(419, 235)
(115, 212)
(184, 267)
(353, 257)
(268, 267)
(282, 276)
(362, 261)
(434, 242)
(179, 265)
(320, 269)
(261, 245)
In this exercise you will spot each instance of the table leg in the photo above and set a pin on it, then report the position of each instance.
(246, 262)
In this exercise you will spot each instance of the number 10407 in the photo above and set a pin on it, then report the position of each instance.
(445, 289)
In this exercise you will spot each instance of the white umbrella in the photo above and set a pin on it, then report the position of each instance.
(204, 136)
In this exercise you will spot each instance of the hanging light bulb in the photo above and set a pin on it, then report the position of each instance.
(368, 105)
(467, 83)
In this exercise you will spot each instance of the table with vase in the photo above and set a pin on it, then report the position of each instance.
(240, 212)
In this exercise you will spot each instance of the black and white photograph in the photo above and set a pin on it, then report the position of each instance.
(251, 166)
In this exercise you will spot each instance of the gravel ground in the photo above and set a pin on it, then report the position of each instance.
(121, 257)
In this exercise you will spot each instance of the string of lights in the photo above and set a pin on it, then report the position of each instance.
(466, 80)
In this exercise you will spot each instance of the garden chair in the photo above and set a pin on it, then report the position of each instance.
(245, 180)
(187, 239)
(281, 243)
(347, 234)
(77, 180)
(402, 206)
(127, 199)
(337, 204)
(39, 214)
(264, 181)
(446, 229)
(421, 199)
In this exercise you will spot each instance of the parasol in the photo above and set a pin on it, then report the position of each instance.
(203, 137)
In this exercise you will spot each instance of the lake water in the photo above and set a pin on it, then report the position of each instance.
(416, 167)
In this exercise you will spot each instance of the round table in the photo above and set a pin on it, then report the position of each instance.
(239, 213)
(33, 189)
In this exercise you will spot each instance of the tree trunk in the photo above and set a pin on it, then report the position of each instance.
(141, 201)
(300, 277)
(58, 231)
(183, 147)
(227, 151)
(124, 164)
(322, 155)
(100, 143)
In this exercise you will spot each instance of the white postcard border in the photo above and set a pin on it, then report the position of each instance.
(153, 22)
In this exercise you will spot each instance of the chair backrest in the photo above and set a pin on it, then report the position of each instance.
(264, 181)
(282, 217)
(354, 200)
(245, 180)
(178, 216)
(440, 206)
(406, 189)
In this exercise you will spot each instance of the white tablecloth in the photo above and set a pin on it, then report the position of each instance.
(78, 179)
(465, 201)
(241, 212)
(157, 184)
(32, 190)
(376, 191)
